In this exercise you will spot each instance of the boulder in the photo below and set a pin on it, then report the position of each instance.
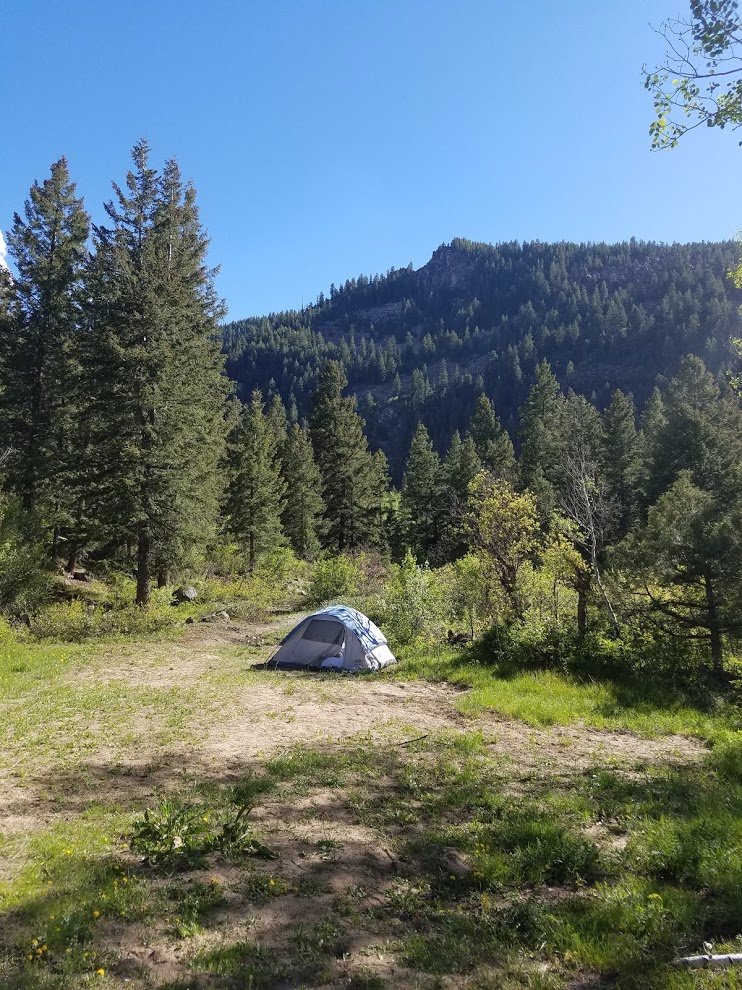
(184, 594)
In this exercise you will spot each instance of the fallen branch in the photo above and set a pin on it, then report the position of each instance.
(408, 742)
(710, 961)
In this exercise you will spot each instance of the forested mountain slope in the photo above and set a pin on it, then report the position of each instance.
(421, 345)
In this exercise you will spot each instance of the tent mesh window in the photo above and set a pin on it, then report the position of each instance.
(322, 631)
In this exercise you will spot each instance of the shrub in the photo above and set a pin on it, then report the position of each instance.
(411, 604)
(24, 574)
(333, 578)
(74, 621)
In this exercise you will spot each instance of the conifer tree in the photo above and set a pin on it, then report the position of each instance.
(686, 564)
(421, 502)
(702, 433)
(257, 489)
(39, 360)
(492, 443)
(621, 461)
(460, 467)
(154, 372)
(352, 484)
(303, 511)
(543, 434)
(278, 420)
(654, 421)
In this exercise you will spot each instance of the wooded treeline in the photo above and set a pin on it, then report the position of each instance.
(125, 445)
(423, 345)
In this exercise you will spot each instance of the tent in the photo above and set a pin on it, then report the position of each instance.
(335, 638)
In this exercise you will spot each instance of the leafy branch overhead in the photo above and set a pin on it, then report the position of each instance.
(699, 81)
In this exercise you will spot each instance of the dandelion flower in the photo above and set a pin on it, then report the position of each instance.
(100, 972)
(96, 914)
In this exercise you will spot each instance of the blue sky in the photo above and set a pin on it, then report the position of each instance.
(332, 137)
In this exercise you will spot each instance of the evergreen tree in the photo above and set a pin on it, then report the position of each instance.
(39, 343)
(351, 477)
(256, 492)
(278, 420)
(153, 372)
(688, 562)
(421, 502)
(460, 467)
(621, 458)
(493, 445)
(303, 510)
(654, 421)
(702, 433)
(543, 434)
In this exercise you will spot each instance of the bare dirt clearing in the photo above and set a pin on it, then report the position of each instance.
(213, 719)
(230, 714)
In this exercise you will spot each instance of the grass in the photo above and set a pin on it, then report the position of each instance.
(546, 697)
(438, 863)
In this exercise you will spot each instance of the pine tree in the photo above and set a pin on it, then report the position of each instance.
(493, 445)
(352, 484)
(687, 564)
(38, 400)
(421, 502)
(278, 420)
(543, 434)
(621, 458)
(304, 508)
(654, 421)
(256, 492)
(153, 372)
(460, 467)
(702, 434)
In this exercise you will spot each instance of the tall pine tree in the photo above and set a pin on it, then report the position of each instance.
(543, 434)
(39, 344)
(154, 372)
(303, 510)
(257, 488)
(621, 458)
(493, 445)
(422, 504)
(353, 485)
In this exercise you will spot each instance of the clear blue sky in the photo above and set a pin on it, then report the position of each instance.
(332, 137)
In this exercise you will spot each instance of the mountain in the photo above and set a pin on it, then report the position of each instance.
(422, 344)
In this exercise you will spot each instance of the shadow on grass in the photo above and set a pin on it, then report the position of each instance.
(418, 856)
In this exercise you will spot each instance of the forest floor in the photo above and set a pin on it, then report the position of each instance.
(418, 839)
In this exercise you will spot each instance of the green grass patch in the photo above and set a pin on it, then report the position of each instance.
(547, 697)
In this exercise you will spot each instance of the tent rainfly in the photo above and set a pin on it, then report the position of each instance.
(335, 638)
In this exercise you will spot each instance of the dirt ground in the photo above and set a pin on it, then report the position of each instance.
(262, 713)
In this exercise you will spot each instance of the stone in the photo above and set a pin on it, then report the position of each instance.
(183, 595)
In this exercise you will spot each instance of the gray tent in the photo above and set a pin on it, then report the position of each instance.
(335, 638)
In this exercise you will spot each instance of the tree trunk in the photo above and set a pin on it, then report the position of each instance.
(251, 558)
(143, 553)
(72, 560)
(717, 649)
(162, 579)
(604, 595)
(582, 609)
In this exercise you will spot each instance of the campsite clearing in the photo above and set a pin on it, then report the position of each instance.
(420, 840)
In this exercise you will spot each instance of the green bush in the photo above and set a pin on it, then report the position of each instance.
(25, 580)
(411, 604)
(74, 621)
(333, 578)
